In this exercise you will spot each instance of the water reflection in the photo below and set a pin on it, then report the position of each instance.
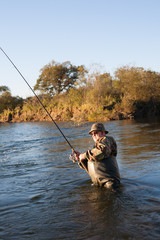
(109, 215)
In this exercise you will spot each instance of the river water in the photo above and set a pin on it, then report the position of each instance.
(43, 195)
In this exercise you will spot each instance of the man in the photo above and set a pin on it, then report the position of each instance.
(100, 162)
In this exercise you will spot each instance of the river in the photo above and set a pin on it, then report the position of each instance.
(44, 195)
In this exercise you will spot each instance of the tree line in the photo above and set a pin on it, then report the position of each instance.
(72, 92)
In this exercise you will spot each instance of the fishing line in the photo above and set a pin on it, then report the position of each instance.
(38, 99)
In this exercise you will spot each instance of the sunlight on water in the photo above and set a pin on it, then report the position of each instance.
(44, 195)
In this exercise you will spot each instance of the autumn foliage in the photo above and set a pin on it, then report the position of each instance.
(74, 93)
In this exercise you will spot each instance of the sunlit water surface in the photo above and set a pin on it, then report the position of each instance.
(43, 195)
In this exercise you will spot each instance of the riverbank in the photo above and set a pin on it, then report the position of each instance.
(133, 93)
(62, 115)
(33, 112)
(79, 106)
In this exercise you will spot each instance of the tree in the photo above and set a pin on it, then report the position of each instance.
(99, 87)
(4, 89)
(56, 78)
(151, 86)
(7, 101)
(138, 84)
(137, 87)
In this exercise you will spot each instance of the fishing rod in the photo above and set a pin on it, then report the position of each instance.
(39, 101)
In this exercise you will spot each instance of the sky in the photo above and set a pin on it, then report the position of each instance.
(109, 33)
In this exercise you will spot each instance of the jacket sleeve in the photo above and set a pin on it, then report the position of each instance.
(83, 164)
(101, 150)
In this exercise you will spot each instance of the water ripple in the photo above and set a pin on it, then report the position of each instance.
(43, 195)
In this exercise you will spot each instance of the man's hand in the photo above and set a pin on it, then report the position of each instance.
(76, 154)
(79, 156)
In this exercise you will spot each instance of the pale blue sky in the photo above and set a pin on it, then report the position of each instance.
(111, 33)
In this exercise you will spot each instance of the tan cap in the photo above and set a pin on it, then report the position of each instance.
(98, 127)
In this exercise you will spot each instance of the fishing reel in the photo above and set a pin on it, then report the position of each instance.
(72, 158)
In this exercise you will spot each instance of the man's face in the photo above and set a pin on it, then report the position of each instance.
(97, 134)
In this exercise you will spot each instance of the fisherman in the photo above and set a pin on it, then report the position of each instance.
(100, 162)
